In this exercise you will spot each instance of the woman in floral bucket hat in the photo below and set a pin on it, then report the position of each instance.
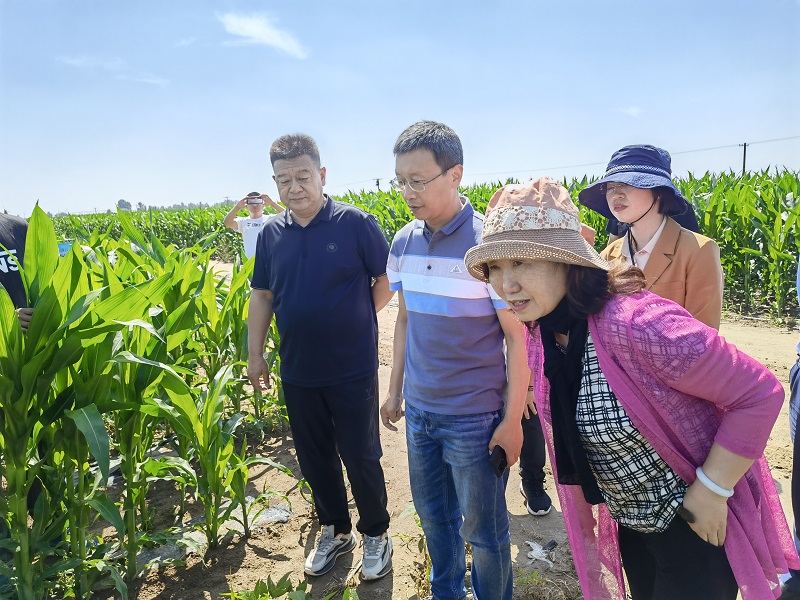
(678, 264)
(656, 425)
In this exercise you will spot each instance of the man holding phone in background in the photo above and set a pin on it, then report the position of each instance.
(251, 225)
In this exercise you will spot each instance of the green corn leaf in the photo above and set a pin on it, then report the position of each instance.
(41, 254)
(90, 423)
(60, 567)
(109, 511)
(134, 233)
(10, 330)
(134, 300)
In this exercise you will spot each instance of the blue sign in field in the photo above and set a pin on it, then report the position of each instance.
(64, 247)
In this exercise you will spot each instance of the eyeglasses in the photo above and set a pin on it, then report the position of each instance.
(417, 186)
(613, 188)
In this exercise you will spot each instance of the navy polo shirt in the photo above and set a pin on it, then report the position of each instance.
(13, 231)
(321, 278)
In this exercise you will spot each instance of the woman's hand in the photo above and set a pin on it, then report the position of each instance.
(710, 512)
(530, 405)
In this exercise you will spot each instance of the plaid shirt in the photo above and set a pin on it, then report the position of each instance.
(640, 490)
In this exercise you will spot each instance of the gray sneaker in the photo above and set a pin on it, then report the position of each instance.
(329, 547)
(377, 556)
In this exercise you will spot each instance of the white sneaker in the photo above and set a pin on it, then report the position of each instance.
(329, 547)
(377, 556)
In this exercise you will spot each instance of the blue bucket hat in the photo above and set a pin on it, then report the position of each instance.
(640, 166)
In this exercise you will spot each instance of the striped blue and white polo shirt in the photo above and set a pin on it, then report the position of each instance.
(454, 362)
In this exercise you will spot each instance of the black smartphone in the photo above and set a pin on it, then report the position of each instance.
(498, 461)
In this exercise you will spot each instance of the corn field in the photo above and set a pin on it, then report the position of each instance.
(753, 218)
(134, 345)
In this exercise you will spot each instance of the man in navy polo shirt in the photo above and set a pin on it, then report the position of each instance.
(13, 232)
(462, 397)
(321, 270)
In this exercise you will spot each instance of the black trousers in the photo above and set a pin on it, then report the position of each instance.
(675, 565)
(339, 424)
(532, 455)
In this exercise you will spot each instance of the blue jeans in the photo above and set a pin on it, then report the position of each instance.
(459, 498)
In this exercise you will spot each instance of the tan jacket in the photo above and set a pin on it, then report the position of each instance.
(684, 267)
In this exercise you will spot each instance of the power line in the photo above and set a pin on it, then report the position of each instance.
(344, 185)
(540, 169)
(594, 164)
(793, 137)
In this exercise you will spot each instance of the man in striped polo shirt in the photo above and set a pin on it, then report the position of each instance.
(449, 367)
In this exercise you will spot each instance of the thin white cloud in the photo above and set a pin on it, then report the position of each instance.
(257, 29)
(145, 78)
(185, 42)
(631, 111)
(93, 62)
(113, 65)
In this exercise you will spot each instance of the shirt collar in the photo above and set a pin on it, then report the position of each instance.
(325, 213)
(648, 249)
(457, 221)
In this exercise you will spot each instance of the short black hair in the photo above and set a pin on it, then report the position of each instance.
(442, 142)
(668, 203)
(293, 145)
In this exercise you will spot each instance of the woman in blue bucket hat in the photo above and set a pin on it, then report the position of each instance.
(678, 264)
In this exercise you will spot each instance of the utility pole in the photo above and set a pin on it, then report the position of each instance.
(744, 156)
(378, 183)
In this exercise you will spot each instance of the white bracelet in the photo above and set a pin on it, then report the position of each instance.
(717, 489)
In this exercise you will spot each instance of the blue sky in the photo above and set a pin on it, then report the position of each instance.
(162, 102)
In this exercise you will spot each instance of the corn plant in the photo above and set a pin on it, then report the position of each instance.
(36, 396)
(215, 470)
(267, 590)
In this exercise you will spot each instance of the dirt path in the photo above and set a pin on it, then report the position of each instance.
(280, 548)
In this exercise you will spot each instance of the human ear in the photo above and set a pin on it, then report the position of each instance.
(456, 173)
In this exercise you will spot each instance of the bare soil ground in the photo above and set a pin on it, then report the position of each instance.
(280, 548)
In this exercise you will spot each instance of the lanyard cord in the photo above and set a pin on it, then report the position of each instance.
(629, 235)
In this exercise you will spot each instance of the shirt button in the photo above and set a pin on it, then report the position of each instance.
(429, 267)
(432, 247)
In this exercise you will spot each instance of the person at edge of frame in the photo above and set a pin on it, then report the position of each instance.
(13, 235)
(790, 589)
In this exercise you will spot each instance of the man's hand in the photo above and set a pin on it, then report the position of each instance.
(509, 436)
(392, 410)
(24, 315)
(258, 373)
(270, 202)
(710, 512)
